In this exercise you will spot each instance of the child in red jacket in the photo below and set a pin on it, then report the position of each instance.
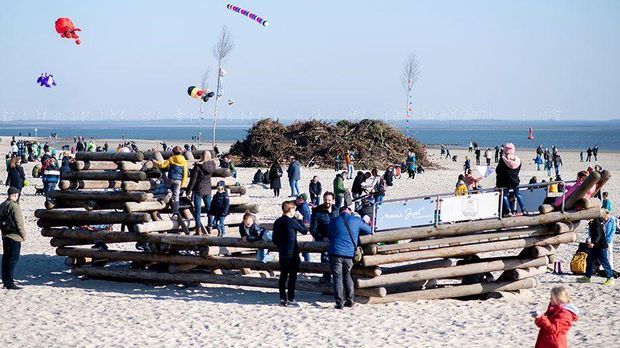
(556, 321)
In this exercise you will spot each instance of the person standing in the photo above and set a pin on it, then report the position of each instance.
(496, 153)
(16, 176)
(611, 223)
(598, 251)
(348, 158)
(219, 208)
(477, 153)
(357, 189)
(589, 154)
(177, 175)
(294, 175)
(200, 187)
(508, 178)
(595, 153)
(343, 234)
(275, 173)
(411, 164)
(13, 235)
(487, 156)
(556, 321)
(557, 163)
(470, 147)
(285, 230)
(319, 223)
(339, 190)
(51, 175)
(606, 201)
(315, 191)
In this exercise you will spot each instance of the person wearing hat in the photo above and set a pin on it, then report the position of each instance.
(200, 187)
(343, 234)
(13, 234)
(507, 171)
(303, 208)
(177, 174)
(219, 208)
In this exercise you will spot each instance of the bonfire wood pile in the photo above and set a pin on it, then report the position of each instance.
(430, 262)
(376, 144)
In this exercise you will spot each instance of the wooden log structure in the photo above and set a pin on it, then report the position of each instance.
(605, 176)
(109, 156)
(459, 229)
(89, 184)
(450, 272)
(374, 260)
(104, 175)
(212, 279)
(88, 235)
(92, 217)
(156, 155)
(115, 196)
(88, 205)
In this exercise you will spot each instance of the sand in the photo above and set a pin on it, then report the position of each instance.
(56, 309)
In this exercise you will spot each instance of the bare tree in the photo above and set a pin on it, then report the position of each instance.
(221, 51)
(203, 85)
(408, 77)
(204, 78)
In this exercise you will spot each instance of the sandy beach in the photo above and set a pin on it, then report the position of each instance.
(57, 309)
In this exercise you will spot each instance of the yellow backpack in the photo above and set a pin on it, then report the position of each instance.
(578, 263)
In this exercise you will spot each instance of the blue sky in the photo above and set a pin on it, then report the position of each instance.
(501, 59)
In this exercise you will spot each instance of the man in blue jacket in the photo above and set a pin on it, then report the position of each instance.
(344, 232)
(294, 175)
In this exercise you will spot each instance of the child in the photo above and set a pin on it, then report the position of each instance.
(219, 208)
(606, 201)
(250, 231)
(461, 188)
(556, 321)
(467, 165)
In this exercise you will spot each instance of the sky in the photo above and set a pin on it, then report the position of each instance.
(317, 59)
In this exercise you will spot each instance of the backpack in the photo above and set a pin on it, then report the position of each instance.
(6, 223)
(578, 263)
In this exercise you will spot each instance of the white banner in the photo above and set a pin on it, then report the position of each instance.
(471, 207)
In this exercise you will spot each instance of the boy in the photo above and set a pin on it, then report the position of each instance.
(606, 201)
(219, 208)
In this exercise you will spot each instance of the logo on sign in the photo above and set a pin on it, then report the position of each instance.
(470, 206)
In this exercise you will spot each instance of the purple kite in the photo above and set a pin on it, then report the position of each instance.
(46, 80)
(252, 16)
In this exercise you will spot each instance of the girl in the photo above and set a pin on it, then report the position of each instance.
(16, 175)
(556, 321)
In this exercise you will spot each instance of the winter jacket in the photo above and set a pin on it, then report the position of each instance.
(389, 177)
(258, 177)
(357, 188)
(12, 213)
(319, 221)
(294, 170)
(554, 326)
(253, 233)
(285, 236)
(506, 177)
(219, 204)
(315, 189)
(200, 178)
(596, 230)
(177, 168)
(341, 243)
(16, 177)
(304, 210)
(610, 229)
(275, 173)
(339, 188)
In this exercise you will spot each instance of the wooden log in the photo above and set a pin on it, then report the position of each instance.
(546, 208)
(110, 196)
(129, 166)
(132, 207)
(189, 156)
(457, 229)
(163, 155)
(212, 279)
(220, 173)
(374, 260)
(449, 272)
(463, 240)
(580, 192)
(88, 205)
(91, 236)
(410, 286)
(179, 268)
(241, 209)
(539, 251)
(229, 181)
(89, 184)
(103, 165)
(441, 263)
(104, 175)
(109, 156)
(63, 242)
(605, 176)
(589, 203)
(139, 185)
(458, 291)
(92, 217)
(515, 294)
(522, 273)
(241, 190)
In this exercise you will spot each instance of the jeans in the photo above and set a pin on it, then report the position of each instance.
(350, 170)
(339, 201)
(294, 187)
(538, 166)
(610, 255)
(507, 206)
(289, 266)
(175, 187)
(316, 201)
(10, 256)
(557, 170)
(600, 255)
(343, 283)
(218, 222)
(263, 255)
(378, 198)
(198, 200)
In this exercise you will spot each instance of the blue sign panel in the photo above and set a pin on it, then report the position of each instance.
(405, 213)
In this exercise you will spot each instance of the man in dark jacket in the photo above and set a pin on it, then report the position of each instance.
(13, 234)
(598, 251)
(294, 175)
(315, 191)
(285, 230)
(319, 223)
(344, 232)
(200, 187)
